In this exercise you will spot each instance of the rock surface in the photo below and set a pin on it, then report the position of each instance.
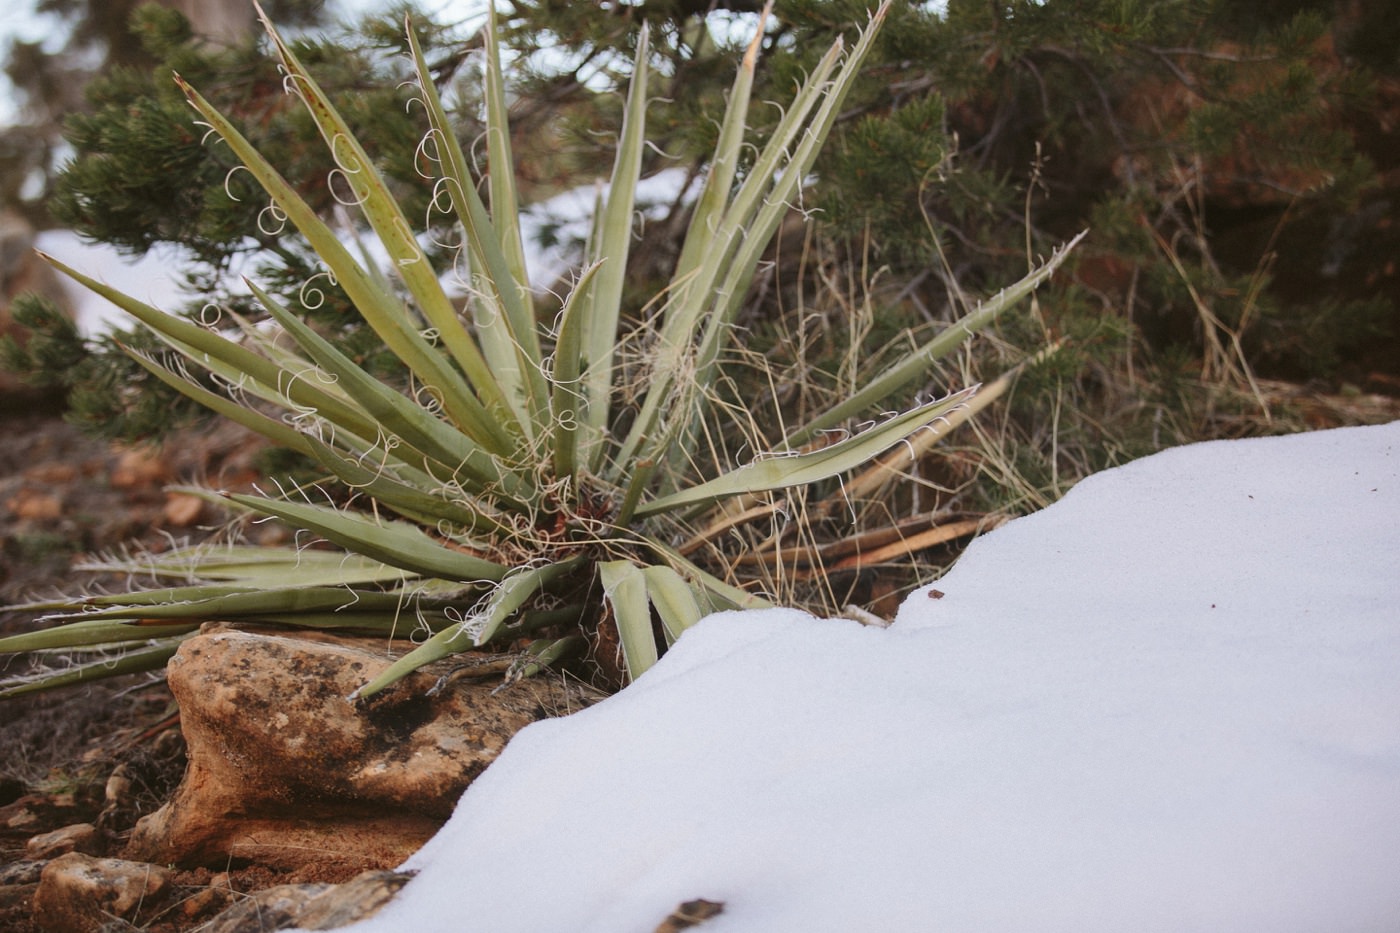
(310, 906)
(79, 837)
(285, 770)
(81, 894)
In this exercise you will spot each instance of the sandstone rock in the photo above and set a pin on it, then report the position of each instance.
(81, 894)
(80, 837)
(21, 872)
(33, 813)
(269, 909)
(310, 906)
(358, 899)
(285, 770)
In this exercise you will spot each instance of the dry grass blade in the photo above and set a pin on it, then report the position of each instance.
(799, 469)
(928, 538)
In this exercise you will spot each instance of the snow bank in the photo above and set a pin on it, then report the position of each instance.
(1170, 702)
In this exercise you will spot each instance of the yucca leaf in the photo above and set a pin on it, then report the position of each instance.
(270, 567)
(309, 401)
(224, 601)
(673, 598)
(799, 469)
(233, 361)
(423, 501)
(697, 322)
(501, 302)
(421, 498)
(495, 607)
(384, 313)
(385, 624)
(889, 467)
(714, 196)
(683, 318)
(382, 211)
(90, 632)
(400, 416)
(128, 661)
(279, 432)
(391, 409)
(626, 591)
(396, 479)
(398, 544)
(500, 179)
(544, 652)
(568, 400)
(613, 240)
(777, 204)
(712, 593)
(916, 365)
(698, 294)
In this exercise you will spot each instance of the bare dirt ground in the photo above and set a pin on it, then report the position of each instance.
(62, 496)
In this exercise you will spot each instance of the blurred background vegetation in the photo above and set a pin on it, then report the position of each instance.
(1236, 163)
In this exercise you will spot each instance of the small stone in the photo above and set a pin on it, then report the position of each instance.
(32, 813)
(690, 914)
(52, 473)
(81, 894)
(118, 789)
(80, 837)
(207, 901)
(182, 510)
(137, 468)
(18, 819)
(28, 505)
(25, 872)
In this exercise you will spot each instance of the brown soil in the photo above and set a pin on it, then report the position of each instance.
(63, 496)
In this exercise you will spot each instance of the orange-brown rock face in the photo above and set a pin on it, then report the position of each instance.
(285, 770)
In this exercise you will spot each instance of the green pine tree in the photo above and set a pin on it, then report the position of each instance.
(1191, 136)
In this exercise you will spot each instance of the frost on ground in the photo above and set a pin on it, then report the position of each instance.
(1169, 702)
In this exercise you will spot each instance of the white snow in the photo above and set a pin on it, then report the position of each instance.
(1170, 702)
(554, 230)
(153, 278)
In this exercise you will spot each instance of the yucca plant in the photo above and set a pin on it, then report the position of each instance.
(528, 482)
